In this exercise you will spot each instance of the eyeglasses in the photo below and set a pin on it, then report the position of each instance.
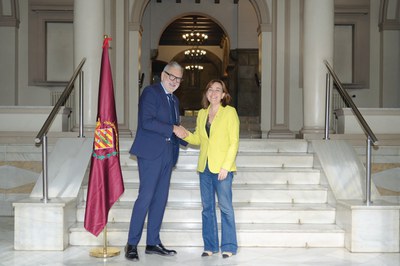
(173, 78)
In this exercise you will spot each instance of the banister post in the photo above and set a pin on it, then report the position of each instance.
(327, 105)
(45, 198)
(368, 173)
(81, 84)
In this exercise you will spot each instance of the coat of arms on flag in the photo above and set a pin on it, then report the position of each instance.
(104, 138)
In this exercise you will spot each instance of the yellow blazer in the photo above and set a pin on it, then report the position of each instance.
(221, 147)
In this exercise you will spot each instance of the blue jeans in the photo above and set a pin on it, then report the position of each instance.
(209, 186)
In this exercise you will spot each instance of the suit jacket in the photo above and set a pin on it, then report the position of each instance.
(154, 124)
(221, 147)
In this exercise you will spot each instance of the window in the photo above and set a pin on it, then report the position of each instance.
(343, 51)
(50, 42)
(351, 46)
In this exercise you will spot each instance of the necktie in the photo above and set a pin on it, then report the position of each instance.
(172, 109)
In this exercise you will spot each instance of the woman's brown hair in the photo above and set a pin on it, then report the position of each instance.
(224, 101)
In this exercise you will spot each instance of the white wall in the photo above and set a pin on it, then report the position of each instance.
(8, 74)
(370, 97)
(391, 69)
(27, 95)
(296, 93)
(114, 20)
(384, 80)
(247, 26)
(235, 18)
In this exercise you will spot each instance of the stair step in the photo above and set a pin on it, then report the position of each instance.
(249, 235)
(241, 193)
(244, 213)
(277, 196)
(249, 145)
(282, 160)
(244, 175)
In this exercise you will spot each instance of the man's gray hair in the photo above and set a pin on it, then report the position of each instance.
(173, 64)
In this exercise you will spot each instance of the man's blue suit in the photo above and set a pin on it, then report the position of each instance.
(157, 150)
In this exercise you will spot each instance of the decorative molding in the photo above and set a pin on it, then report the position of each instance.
(386, 23)
(351, 9)
(12, 18)
(357, 15)
(198, 1)
(264, 12)
(40, 13)
(153, 54)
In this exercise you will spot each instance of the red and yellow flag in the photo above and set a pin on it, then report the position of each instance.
(105, 179)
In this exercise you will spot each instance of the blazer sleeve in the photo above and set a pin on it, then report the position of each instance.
(194, 138)
(233, 136)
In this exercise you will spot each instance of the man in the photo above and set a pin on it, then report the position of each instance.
(156, 147)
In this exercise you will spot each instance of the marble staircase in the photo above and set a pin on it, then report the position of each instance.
(278, 198)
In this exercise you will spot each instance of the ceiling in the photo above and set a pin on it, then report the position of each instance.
(173, 33)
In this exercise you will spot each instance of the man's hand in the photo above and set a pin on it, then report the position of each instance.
(180, 131)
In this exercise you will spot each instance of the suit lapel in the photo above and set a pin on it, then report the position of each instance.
(164, 104)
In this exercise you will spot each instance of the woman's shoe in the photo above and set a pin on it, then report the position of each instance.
(206, 254)
(226, 255)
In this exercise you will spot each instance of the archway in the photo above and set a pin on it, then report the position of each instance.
(209, 65)
(263, 16)
(190, 91)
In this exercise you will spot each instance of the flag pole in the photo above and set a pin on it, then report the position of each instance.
(106, 158)
(105, 251)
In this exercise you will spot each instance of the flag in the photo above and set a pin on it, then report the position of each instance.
(105, 177)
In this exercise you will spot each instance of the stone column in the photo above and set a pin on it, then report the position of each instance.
(318, 46)
(88, 41)
(135, 37)
(265, 62)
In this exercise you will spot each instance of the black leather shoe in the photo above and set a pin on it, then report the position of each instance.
(131, 252)
(226, 255)
(159, 250)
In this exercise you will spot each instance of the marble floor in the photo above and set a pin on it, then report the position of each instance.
(190, 256)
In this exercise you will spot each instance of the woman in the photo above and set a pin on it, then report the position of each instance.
(217, 133)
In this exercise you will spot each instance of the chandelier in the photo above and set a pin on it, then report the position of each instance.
(195, 54)
(195, 38)
(194, 67)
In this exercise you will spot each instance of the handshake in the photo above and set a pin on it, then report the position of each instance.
(180, 131)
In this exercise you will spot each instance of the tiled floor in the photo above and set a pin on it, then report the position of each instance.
(190, 256)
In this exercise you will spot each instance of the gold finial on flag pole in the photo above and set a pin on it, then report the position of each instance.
(105, 251)
(106, 40)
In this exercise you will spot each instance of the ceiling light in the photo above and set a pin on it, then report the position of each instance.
(195, 38)
(195, 54)
(194, 67)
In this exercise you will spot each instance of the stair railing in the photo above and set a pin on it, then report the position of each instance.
(371, 138)
(41, 137)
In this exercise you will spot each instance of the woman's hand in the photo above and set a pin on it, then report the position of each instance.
(180, 132)
(222, 174)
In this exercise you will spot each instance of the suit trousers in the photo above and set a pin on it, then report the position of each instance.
(155, 176)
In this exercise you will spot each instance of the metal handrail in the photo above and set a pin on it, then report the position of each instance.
(346, 97)
(41, 137)
(64, 96)
(371, 138)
